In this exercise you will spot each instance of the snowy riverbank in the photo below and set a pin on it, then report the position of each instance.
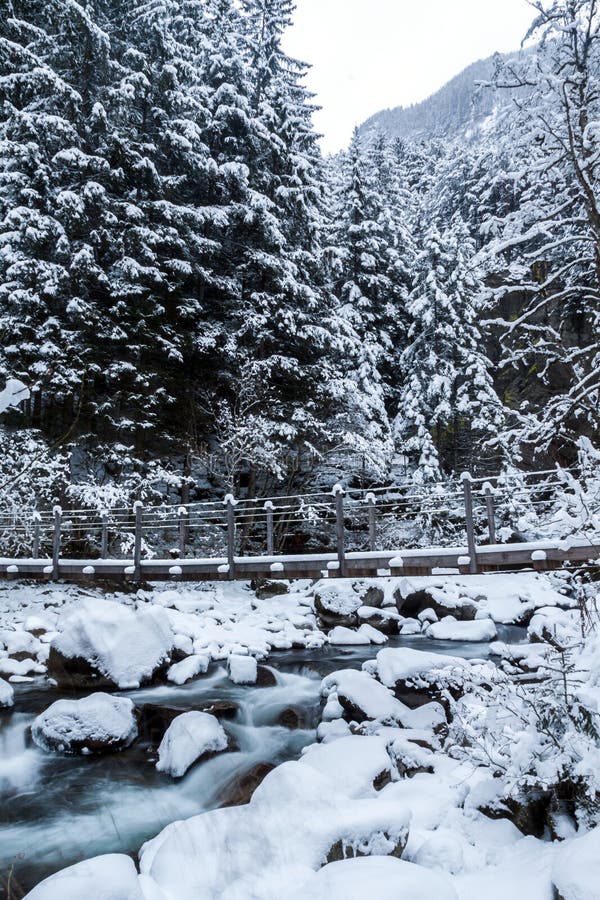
(403, 789)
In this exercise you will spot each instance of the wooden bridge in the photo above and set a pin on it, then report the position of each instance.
(230, 539)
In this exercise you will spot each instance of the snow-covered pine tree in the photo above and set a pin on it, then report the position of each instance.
(51, 203)
(448, 405)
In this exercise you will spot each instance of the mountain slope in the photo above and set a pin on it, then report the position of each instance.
(460, 104)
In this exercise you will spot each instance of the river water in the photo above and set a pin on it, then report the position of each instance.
(56, 810)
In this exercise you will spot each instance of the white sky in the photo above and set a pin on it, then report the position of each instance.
(368, 55)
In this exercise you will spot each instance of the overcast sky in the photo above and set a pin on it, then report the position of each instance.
(371, 54)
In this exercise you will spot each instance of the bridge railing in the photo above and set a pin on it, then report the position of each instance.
(464, 512)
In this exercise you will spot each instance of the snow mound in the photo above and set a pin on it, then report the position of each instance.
(97, 723)
(7, 694)
(340, 635)
(399, 664)
(187, 669)
(576, 869)
(124, 646)
(188, 737)
(110, 877)
(375, 876)
(448, 629)
(243, 669)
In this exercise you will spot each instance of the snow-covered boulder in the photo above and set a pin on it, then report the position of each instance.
(361, 697)
(243, 669)
(189, 668)
(106, 644)
(188, 738)
(342, 636)
(110, 877)
(7, 694)
(337, 604)
(576, 869)
(444, 598)
(381, 877)
(414, 675)
(99, 723)
(474, 630)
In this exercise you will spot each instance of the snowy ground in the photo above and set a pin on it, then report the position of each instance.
(406, 793)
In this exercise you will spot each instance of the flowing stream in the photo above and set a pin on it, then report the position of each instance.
(56, 810)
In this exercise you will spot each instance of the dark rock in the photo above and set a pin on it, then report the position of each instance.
(385, 622)
(289, 718)
(419, 601)
(530, 814)
(372, 596)
(76, 673)
(240, 790)
(382, 780)
(222, 709)
(79, 674)
(265, 677)
(154, 720)
(265, 588)
(344, 849)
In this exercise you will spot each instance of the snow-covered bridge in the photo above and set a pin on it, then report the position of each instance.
(233, 539)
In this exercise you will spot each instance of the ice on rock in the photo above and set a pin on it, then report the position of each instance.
(448, 629)
(188, 668)
(110, 877)
(126, 647)
(97, 723)
(7, 694)
(381, 877)
(188, 737)
(243, 669)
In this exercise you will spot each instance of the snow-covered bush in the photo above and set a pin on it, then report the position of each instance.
(537, 736)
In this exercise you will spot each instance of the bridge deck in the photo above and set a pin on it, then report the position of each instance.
(538, 554)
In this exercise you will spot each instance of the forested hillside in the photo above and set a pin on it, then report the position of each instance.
(199, 301)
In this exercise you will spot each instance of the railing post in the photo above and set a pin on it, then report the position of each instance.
(37, 527)
(138, 509)
(489, 504)
(466, 479)
(268, 507)
(230, 503)
(370, 498)
(56, 542)
(183, 516)
(104, 540)
(338, 494)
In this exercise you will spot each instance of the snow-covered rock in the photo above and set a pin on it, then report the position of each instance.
(189, 668)
(189, 737)
(341, 636)
(110, 877)
(403, 663)
(7, 694)
(337, 604)
(361, 697)
(449, 629)
(108, 644)
(242, 669)
(99, 723)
